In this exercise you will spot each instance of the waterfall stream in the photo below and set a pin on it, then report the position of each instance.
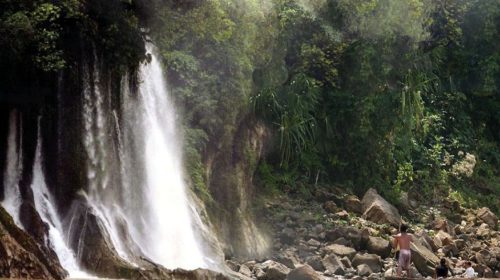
(140, 189)
(12, 200)
(45, 206)
(135, 176)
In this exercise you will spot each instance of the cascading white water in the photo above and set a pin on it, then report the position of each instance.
(144, 193)
(12, 198)
(45, 207)
(169, 236)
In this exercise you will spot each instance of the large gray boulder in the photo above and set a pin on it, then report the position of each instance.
(245, 270)
(304, 272)
(273, 270)
(378, 210)
(425, 261)
(315, 262)
(371, 260)
(379, 246)
(340, 250)
(352, 234)
(364, 270)
(488, 217)
(333, 264)
(288, 258)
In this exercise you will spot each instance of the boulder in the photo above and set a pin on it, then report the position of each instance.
(369, 198)
(479, 269)
(288, 236)
(488, 273)
(343, 241)
(330, 207)
(340, 250)
(352, 234)
(444, 238)
(483, 231)
(488, 217)
(304, 272)
(97, 252)
(353, 204)
(437, 243)
(234, 266)
(273, 270)
(486, 257)
(288, 258)
(245, 270)
(32, 222)
(425, 261)
(375, 276)
(304, 251)
(441, 224)
(460, 243)
(333, 264)
(450, 250)
(378, 210)
(313, 243)
(22, 257)
(346, 262)
(428, 242)
(342, 215)
(180, 274)
(364, 270)
(379, 246)
(371, 260)
(315, 262)
(391, 272)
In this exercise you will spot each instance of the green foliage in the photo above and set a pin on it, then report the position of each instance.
(195, 141)
(395, 106)
(399, 95)
(291, 110)
(41, 32)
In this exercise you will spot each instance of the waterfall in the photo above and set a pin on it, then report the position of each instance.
(44, 203)
(136, 186)
(13, 170)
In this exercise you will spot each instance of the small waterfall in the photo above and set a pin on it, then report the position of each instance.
(13, 170)
(136, 185)
(45, 207)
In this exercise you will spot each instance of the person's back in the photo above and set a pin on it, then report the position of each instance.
(403, 240)
(442, 269)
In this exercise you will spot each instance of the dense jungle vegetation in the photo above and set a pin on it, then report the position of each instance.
(397, 95)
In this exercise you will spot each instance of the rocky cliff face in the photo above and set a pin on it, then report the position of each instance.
(23, 257)
(230, 171)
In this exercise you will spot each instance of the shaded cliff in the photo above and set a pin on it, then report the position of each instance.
(22, 256)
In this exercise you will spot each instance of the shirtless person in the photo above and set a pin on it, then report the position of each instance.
(403, 240)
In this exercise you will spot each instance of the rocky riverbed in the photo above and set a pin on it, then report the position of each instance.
(332, 235)
(339, 236)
